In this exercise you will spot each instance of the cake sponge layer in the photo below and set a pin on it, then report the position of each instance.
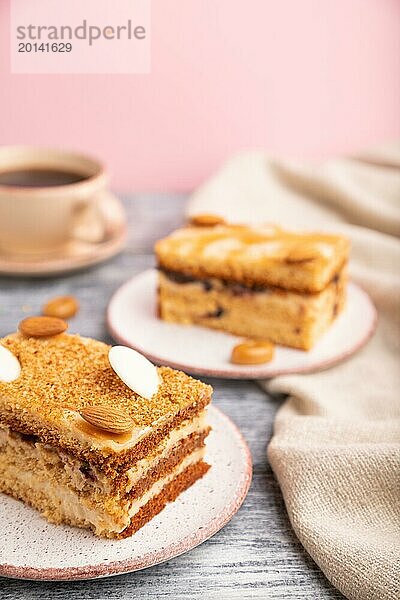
(284, 317)
(56, 511)
(66, 492)
(169, 493)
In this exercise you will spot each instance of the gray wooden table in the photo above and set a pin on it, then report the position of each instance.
(256, 555)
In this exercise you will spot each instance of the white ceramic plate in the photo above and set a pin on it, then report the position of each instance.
(132, 321)
(31, 548)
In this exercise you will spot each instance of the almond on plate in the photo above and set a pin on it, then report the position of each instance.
(63, 307)
(207, 220)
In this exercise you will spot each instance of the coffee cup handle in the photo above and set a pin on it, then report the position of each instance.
(92, 218)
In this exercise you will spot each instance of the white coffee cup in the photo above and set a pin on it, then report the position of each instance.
(41, 218)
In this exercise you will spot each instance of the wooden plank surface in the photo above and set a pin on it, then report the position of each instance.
(256, 555)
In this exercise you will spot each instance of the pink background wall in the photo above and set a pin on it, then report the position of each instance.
(297, 77)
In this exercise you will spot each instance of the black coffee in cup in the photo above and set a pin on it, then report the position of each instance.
(39, 177)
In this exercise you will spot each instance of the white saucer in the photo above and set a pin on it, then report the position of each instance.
(97, 238)
(132, 321)
(31, 548)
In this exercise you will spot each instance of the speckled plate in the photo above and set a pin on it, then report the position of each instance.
(31, 548)
(132, 321)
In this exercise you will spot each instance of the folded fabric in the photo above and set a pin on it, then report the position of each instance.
(336, 444)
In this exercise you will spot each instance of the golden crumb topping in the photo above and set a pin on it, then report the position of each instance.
(72, 372)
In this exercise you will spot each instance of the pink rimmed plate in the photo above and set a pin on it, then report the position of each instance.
(132, 321)
(32, 548)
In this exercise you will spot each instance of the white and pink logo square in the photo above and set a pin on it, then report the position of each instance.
(71, 36)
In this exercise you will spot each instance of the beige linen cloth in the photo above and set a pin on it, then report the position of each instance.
(336, 443)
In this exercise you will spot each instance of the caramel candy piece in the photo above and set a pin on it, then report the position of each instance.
(207, 220)
(42, 326)
(252, 352)
(63, 307)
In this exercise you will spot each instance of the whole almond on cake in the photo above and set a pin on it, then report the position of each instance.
(107, 419)
(42, 326)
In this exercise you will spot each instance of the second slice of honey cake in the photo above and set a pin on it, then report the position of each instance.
(256, 282)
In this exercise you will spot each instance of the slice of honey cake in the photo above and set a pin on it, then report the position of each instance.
(258, 282)
(89, 447)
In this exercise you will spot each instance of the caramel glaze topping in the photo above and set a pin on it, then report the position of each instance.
(98, 434)
(264, 242)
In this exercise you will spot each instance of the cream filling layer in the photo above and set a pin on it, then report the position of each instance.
(198, 424)
(46, 456)
(75, 508)
(157, 487)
